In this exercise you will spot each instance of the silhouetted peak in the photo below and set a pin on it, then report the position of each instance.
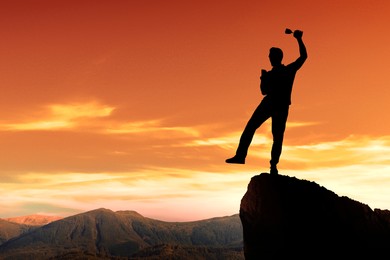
(285, 214)
(99, 211)
(129, 213)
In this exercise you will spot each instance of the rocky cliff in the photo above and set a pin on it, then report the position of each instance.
(287, 217)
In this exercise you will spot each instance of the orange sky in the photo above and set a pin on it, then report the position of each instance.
(136, 104)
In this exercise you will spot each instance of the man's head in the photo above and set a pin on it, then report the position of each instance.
(275, 56)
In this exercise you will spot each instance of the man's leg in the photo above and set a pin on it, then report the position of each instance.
(260, 115)
(279, 119)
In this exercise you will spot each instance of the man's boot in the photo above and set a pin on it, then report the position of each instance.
(236, 159)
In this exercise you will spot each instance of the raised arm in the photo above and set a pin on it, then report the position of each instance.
(302, 49)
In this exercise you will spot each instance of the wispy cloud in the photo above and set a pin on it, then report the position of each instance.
(356, 166)
(144, 191)
(148, 127)
(61, 116)
(187, 168)
(231, 139)
(296, 124)
(74, 111)
(353, 150)
(84, 116)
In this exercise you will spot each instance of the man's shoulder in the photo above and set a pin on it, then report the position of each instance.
(293, 66)
(297, 64)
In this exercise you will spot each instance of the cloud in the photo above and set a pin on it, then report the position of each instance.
(144, 190)
(38, 125)
(61, 116)
(97, 118)
(75, 111)
(150, 166)
(24, 209)
(231, 139)
(356, 166)
(152, 127)
(352, 150)
(297, 124)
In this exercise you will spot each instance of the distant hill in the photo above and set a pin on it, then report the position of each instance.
(34, 220)
(103, 233)
(298, 219)
(9, 230)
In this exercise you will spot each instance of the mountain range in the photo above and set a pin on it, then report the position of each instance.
(9, 230)
(104, 234)
(33, 220)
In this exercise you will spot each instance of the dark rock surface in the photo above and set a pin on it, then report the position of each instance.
(286, 217)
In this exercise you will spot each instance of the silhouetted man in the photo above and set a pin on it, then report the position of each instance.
(276, 85)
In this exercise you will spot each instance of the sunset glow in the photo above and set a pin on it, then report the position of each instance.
(135, 105)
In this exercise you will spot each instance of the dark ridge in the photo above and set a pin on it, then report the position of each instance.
(283, 215)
